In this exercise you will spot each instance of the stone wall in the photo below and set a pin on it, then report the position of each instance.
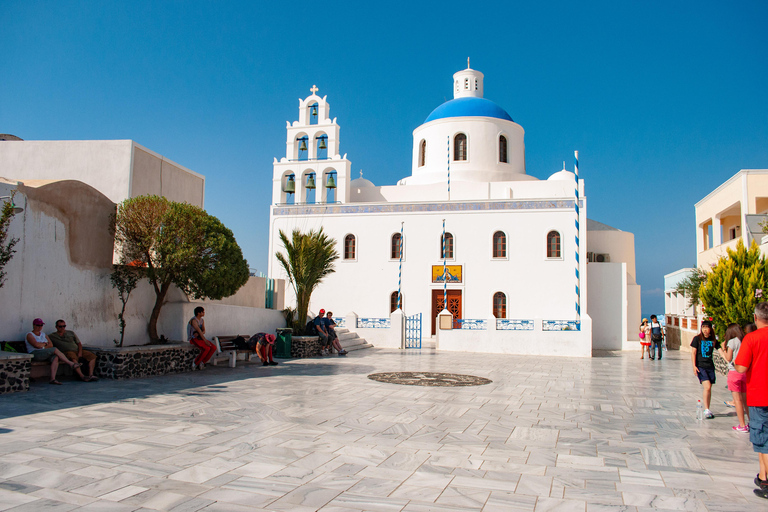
(144, 361)
(14, 372)
(305, 346)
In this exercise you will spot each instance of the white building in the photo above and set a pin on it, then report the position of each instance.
(68, 190)
(517, 278)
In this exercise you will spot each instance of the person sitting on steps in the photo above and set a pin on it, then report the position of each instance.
(331, 326)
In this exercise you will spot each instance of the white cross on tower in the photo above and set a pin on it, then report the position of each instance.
(314, 89)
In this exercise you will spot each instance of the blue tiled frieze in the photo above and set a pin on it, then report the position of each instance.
(505, 324)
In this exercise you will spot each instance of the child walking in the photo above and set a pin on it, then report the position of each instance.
(737, 382)
(702, 346)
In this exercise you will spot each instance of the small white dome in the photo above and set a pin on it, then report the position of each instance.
(563, 176)
(361, 182)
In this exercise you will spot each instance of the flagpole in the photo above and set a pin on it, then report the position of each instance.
(445, 272)
(576, 204)
(449, 167)
(400, 272)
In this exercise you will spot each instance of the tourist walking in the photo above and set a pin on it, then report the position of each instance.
(737, 382)
(753, 360)
(645, 338)
(657, 337)
(702, 347)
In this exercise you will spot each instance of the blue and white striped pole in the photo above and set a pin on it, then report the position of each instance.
(400, 272)
(445, 272)
(576, 203)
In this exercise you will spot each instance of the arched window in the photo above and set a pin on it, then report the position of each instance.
(446, 246)
(349, 247)
(553, 244)
(499, 245)
(313, 113)
(503, 150)
(460, 147)
(499, 305)
(395, 247)
(393, 302)
(466, 83)
(422, 153)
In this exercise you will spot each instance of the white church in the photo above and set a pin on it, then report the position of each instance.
(521, 267)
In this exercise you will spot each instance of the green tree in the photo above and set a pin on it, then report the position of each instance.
(733, 287)
(177, 243)
(6, 244)
(308, 259)
(691, 285)
(124, 278)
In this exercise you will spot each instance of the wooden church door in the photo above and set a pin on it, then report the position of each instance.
(454, 305)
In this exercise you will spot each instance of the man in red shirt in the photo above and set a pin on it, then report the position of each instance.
(753, 359)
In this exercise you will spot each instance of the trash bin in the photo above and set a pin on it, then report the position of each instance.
(283, 343)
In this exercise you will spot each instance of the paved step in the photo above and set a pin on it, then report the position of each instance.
(351, 341)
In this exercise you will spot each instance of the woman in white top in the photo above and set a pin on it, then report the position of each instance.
(41, 348)
(737, 382)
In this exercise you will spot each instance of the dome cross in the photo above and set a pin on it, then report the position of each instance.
(314, 89)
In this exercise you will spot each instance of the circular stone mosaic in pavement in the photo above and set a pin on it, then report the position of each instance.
(429, 379)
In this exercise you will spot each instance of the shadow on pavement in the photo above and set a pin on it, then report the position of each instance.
(42, 397)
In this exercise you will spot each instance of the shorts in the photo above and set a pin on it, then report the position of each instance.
(758, 428)
(706, 374)
(737, 382)
(43, 354)
(87, 355)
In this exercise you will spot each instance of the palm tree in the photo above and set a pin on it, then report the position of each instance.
(308, 259)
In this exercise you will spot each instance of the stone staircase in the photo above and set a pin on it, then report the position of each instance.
(350, 340)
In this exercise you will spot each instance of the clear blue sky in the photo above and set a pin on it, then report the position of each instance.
(663, 100)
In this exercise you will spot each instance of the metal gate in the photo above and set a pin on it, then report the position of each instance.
(413, 331)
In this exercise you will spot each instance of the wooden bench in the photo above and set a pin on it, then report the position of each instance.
(226, 350)
(39, 368)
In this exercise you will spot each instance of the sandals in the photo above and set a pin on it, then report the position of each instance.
(54, 381)
(75, 366)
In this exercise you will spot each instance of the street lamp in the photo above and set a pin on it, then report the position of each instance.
(15, 209)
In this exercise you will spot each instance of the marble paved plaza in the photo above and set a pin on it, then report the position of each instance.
(606, 433)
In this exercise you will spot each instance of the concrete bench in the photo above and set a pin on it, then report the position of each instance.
(227, 350)
(38, 369)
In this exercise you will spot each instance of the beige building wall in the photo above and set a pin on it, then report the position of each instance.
(724, 211)
(614, 300)
(119, 169)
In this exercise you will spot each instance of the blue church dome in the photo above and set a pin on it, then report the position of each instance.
(468, 107)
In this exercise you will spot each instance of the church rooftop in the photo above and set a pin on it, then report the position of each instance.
(468, 107)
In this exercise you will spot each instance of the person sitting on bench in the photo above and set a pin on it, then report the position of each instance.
(196, 335)
(69, 344)
(41, 348)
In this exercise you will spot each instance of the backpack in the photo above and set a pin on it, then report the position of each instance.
(240, 343)
(310, 329)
